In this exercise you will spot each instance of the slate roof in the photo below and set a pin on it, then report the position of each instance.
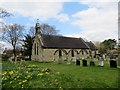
(91, 45)
(61, 42)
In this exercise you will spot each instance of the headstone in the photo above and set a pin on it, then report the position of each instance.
(84, 62)
(68, 61)
(73, 59)
(113, 63)
(92, 63)
(77, 62)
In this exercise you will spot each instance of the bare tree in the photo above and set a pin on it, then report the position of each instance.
(48, 29)
(45, 29)
(4, 13)
(13, 35)
(32, 31)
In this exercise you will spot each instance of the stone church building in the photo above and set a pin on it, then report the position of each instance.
(59, 48)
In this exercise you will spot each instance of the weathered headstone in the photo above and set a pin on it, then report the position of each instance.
(84, 62)
(69, 61)
(77, 62)
(92, 63)
(113, 63)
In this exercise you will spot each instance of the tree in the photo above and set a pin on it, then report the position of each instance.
(45, 29)
(102, 49)
(32, 31)
(3, 14)
(109, 44)
(48, 29)
(13, 35)
(28, 42)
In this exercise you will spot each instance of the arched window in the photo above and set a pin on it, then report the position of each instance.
(60, 53)
(35, 49)
(72, 53)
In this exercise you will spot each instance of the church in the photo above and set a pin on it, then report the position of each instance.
(60, 48)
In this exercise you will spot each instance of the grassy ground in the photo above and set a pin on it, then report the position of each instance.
(54, 75)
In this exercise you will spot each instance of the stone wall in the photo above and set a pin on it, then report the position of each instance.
(50, 55)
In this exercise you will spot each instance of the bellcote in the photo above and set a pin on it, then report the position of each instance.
(37, 27)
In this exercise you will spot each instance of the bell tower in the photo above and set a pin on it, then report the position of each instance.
(37, 27)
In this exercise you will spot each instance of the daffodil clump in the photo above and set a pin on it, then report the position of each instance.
(32, 76)
(21, 76)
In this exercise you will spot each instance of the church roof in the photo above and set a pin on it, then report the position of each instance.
(60, 42)
(91, 45)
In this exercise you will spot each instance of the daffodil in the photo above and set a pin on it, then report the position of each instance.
(40, 74)
(46, 73)
(26, 71)
(33, 65)
(3, 78)
(24, 81)
(18, 76)
(4, 73)
(11, 72)
(15, 78)
(10, 82)
(20, 82)
(28, 76)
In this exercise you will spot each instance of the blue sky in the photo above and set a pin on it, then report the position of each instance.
(65, 28)
(90, 19)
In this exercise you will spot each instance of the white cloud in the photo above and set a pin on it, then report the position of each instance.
(37, 0)
(41, 10)
(37, 10)
(63, 17)
(99, 21)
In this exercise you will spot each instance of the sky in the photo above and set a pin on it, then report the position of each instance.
(94, 20)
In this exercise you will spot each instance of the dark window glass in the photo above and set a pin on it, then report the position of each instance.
(35, 48)
(60, 53)
(72, 53)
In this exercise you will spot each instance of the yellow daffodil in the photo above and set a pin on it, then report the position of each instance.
(4, 73)
(20, 82)
(10, 82)
(11, 72)
(4, 78)
(46, 73)
(15, 78)
(40, 74)
(24, 81)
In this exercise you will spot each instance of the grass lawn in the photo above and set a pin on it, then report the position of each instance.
(31, 74)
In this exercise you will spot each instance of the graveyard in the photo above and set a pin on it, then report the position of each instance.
(34, 74)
